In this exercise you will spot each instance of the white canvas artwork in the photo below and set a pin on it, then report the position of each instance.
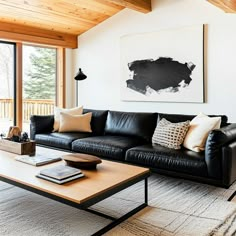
(164, 66)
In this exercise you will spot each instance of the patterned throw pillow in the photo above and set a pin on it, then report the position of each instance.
(169, 134)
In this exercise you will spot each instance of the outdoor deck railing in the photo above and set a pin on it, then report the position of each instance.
(30, 107)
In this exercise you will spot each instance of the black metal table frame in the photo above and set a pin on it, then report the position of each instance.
(85, 206)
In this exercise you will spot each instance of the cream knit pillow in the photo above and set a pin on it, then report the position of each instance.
(75, 123)
(200, 127)
(58, 110)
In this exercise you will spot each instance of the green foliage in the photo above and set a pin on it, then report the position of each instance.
(41, 82)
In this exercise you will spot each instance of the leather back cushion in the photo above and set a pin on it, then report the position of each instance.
(174, 118)
(98, 120)
(41, 124)
(137, 124)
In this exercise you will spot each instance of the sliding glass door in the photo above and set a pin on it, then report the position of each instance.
(7, 85)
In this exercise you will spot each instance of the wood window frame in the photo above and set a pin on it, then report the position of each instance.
(61, 78)
(19, 87)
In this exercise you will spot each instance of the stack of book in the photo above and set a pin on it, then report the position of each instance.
(60, 174)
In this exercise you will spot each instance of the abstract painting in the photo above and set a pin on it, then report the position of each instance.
(165, 66)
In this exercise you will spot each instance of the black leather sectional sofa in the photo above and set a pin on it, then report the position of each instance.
(126, 137)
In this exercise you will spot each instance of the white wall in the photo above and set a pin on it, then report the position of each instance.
(70, 83)
(98, 55)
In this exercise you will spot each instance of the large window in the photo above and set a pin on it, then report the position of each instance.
(39, 82)
(7, 85)
(31, 82)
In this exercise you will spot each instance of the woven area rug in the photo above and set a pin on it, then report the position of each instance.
(176, 208)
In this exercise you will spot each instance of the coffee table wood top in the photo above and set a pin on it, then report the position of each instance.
(96, 182)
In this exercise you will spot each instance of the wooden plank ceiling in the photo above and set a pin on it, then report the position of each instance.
(228, 6)
(58, 22)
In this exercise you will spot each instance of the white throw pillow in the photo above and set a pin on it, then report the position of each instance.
(200, 127)
(169, 134)
(58, 110)
(75, 123)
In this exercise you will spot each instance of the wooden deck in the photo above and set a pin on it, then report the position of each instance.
(30, 107)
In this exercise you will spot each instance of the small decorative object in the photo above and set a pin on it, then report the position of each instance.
(14, 131)
(80, 75)
(82, 161)
(15, 138)
(15, 135)
(17, 142)
(24, 137)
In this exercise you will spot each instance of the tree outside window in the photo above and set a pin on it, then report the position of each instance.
(40, 74)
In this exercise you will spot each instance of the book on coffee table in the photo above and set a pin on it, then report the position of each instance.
(62, 181)
(60, 174)
(38, 159)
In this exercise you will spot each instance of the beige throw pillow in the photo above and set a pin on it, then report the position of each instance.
(75, 123)
(169, 134)
(200, 127)
(58, 110)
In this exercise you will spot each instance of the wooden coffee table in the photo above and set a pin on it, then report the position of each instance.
(97, 185)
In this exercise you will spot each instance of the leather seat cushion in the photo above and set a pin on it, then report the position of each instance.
(111, 147)
(160, 157)
(59, 140)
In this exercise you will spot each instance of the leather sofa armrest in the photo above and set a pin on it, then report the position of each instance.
(229, 133)
(40, 124)
(229, 163)
(213, 150)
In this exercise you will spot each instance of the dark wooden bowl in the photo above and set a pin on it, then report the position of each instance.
(82, 161)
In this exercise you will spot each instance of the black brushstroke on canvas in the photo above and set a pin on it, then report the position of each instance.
(159, 74)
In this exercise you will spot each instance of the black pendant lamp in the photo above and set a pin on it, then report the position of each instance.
(80, 75)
